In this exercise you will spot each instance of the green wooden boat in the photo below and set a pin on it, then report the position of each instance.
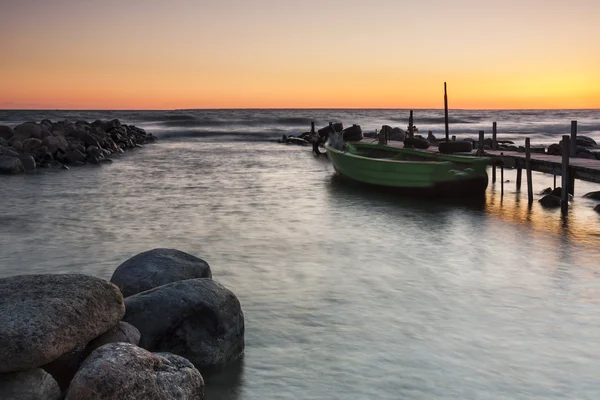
(410, 171)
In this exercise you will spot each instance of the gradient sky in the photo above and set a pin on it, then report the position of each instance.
(159, 54)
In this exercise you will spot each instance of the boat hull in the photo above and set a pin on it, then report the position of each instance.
(426, 174)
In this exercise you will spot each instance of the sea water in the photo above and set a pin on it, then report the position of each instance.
(347, 294)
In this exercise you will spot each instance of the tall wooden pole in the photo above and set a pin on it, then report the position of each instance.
(565, 174)
(446, 111)
(573, 153)
(528, 170)
(410, 124)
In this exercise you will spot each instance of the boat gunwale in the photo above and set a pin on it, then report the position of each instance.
(388, 160)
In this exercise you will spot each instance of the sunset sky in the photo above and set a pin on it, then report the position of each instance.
(159, 54)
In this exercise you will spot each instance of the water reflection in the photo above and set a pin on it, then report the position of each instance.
(225, 383)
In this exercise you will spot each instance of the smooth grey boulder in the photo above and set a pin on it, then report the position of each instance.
(158, 267)
(45, 316)
(6, 132)
(35, 384)
(550, 201)
(124, 371)
(74, 156)
(10, 165)
(3, 142)
(121, 333)
(198, 319)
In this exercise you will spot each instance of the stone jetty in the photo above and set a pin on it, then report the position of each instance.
(48, 144)
(72, 336)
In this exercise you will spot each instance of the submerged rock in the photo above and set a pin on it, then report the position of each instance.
(592, 195)
(43, 317)
(10, 165)
(550, 201)
(158, 267)
(198, 319)
(125, 371)
(35, 384)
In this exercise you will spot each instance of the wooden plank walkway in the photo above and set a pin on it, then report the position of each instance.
(580, 168)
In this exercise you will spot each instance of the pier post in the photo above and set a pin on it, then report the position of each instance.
(454, 138)
(573, 153)
(519, 175)
(502, 180)
(565, 175)
(446, 110)
(494, 147)
(312, 127)
(528, 169)
(410, 124)
(480, 150)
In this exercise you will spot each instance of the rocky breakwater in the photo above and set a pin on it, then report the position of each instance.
(50, 144)
(76, 337)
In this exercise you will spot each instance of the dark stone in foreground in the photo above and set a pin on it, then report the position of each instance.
(45, 316)
(30, 385)
(10, 165)
(198, 319)
(124, 371)
(158, 267)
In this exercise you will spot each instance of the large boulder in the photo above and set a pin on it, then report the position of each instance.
(64, 368)
(10, 165)
(8, 151)
(28, 162)
(35, 384)
(55, 143)
(6, 132)
(125, 371)
(121, 333)
(158, 267)
(74, 156)
(550, 201)
(592, 195)
(28, 130)
(45, 316)
(198, 319)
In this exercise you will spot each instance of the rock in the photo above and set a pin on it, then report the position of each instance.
(46, 124)
(8, 151)
(74, 156)
(158, 267)
(55, 143)
(3, 142)
(28, 162)
(397, 134)
(124, 371)
(548, 190)
(89, 140)
(586, 141)
(550, 201)
(10, 165)
(592, 195)
(106, 161)
(597, 208)
(35, 384)
(64, 368)
(17, 145)
(28, 130)
(6, 132)
(198, 319)
(121, 333)
(554, 149)
(45, 316)
(31, 144)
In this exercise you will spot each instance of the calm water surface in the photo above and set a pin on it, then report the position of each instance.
(347, 295)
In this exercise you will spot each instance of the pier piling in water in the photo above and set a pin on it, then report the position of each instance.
(494, 147)
(573, 153)
(519, 176)
(528, 169)
(565, 174)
